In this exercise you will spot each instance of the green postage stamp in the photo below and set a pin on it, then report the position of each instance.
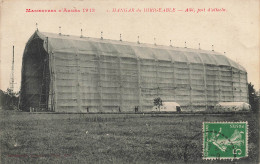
(225, 140)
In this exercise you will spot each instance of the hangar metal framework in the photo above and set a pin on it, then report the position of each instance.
(65, 73)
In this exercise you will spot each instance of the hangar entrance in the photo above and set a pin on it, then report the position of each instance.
(35, 77)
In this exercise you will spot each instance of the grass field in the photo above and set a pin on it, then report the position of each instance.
(111, 138)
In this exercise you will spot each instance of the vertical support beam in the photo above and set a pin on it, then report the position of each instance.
(51, 88)
(219, 86)
(189, 66)
(48, 76)
(173, 77)
(79, 76)
(205, 82)
(156, 64)
(219, 78)
(12, 74)
(55, 84)
(173, 80)
(205, 86)
(120, 82)
(239, 72)
(78, 82)
(191, 105)
(99, 83)
(247, 95)
(51, 84)
(139, 84)
(43, 85)
(232, 83)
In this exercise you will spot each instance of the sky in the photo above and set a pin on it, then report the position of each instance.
(234, 31)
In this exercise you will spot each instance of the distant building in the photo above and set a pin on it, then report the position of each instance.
(64, 73)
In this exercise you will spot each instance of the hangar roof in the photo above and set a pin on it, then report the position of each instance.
(86, 45)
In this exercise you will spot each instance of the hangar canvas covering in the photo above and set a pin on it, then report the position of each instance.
(65, 73)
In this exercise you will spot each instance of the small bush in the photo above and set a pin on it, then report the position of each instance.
(157, 102)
